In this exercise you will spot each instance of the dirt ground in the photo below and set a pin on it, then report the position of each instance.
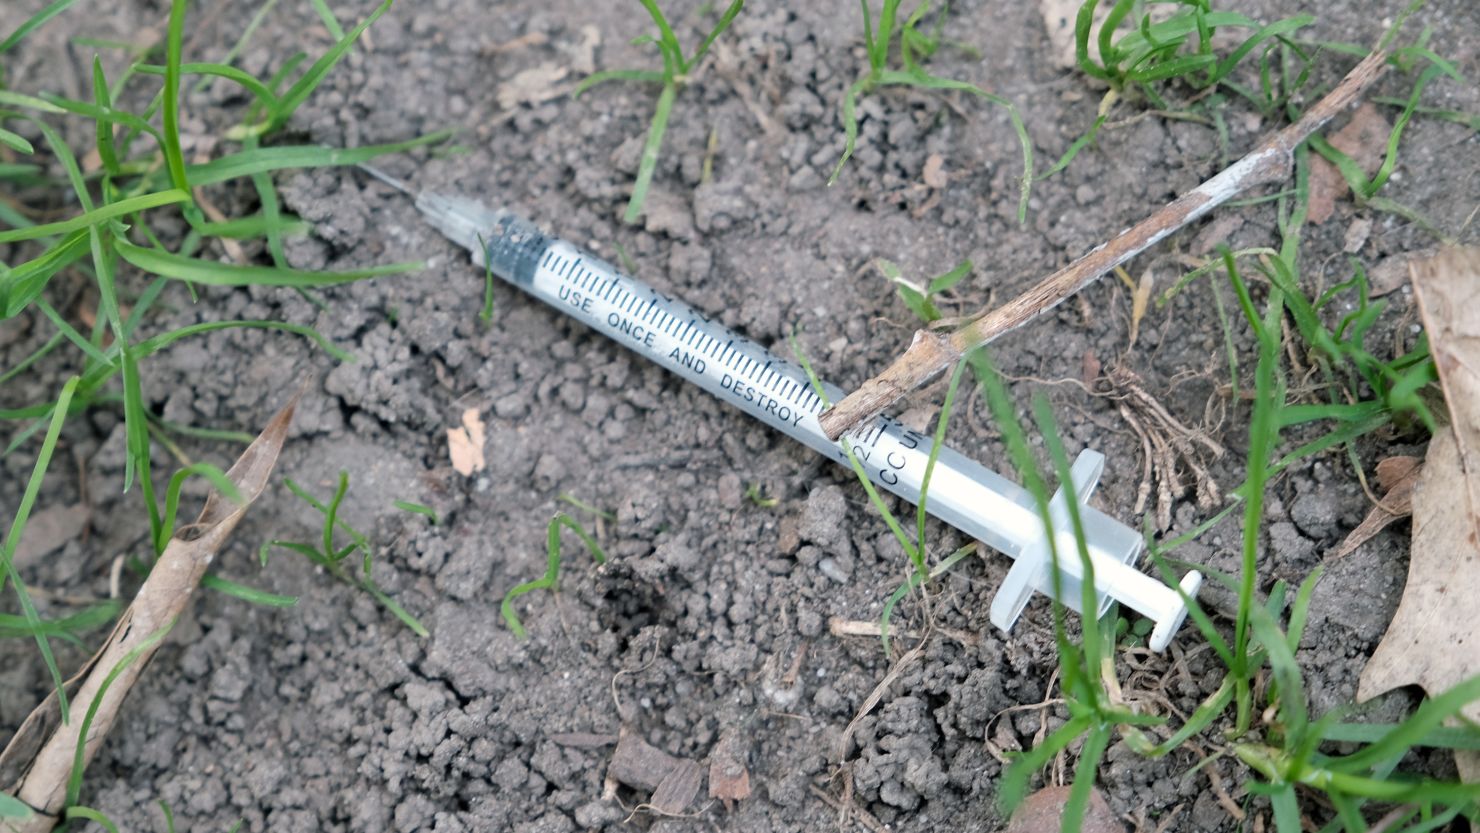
(711, 618)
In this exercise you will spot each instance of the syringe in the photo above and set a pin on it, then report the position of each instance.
(962, 492)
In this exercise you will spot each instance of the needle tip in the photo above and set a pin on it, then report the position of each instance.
(387, 179)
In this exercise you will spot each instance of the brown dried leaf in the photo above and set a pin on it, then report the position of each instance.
(1447, 287)
(729, 780)
(465, 444)
(159, 603)
(1043, 811)
(1394, 470)
(1397, 476)
(1139, 299)
(678, 788)
(1364, 138)
(1431, 639)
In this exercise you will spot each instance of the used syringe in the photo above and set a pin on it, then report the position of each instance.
(962, 493)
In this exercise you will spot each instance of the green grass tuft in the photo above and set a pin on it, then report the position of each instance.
(331, 556)
(921, 299)
(112, 234)
(417, 509)
(551, 579)
(915, 47)
(677, 71)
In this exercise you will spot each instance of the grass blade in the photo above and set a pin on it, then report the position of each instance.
(416, 509)
(77, 811)
(74, 782)
(1426, 718)
(247, 81)
(305, 85)
(551, 578)
(245, 593)
(97, 216)
(641, 75)
(212, 273)
(106, 153)
(174, 157)
(650, 150)
(156, 343)
(15, 142)
(330, 21)
(33, 22)
(719, 28)
(264, 160)
(1084, 778)
(18, 527)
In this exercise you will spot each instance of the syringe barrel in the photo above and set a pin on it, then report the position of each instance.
(670, 333)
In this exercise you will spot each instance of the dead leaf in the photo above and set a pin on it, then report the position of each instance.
(1394, 470)
(49, 530)
(159, 603)
(1396, 476)
(1139, 299)
(934, 173)
(639, 764)
(1042, 811)
(729, 779)
(1447, 287)
(1431, 639)
(465, 444)
(535, 85)
(1364, 139)
(678, 788)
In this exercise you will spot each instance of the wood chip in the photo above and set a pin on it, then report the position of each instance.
(729, 779)
(638, 764)
(678, 788)
(465, 444)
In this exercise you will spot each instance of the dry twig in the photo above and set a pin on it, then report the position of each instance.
(935, 350)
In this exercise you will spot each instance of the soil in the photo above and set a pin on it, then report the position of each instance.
(710, 619)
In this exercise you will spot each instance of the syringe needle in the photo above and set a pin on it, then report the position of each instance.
(387, 179)
(963, 493)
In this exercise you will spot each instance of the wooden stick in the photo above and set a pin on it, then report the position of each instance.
(933, 351)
